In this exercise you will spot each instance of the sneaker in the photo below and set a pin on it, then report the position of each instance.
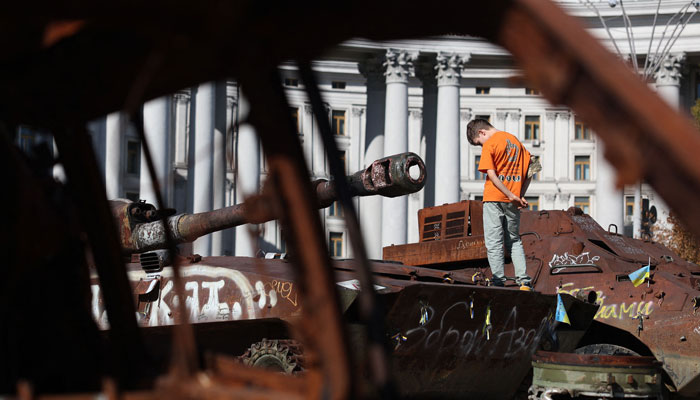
(526, 286)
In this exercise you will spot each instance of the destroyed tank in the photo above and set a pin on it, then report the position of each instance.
(450, 337)
(568, 252)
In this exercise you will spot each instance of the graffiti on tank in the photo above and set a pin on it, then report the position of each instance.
(467, 244)
(506, 341)
(212, 294)
(570, 259)
(285, 290)
(611, 311)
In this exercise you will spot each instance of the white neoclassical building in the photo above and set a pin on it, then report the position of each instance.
(391, 97)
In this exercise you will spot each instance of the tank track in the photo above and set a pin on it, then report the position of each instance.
(284, 355)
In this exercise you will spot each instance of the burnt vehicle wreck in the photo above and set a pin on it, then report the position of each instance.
(568, 252)
(448, 335)
(74, 61)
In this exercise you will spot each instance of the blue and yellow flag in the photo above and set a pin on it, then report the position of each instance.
(561, 315)
(637, 277)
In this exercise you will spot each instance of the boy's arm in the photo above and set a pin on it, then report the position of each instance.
(526, 184)
(520, 202)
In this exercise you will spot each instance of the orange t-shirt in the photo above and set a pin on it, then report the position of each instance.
(505, 154)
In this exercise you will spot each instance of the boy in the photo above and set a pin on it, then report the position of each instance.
(505, 162)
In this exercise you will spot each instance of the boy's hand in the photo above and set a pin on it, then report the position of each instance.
(520, 202)
(524, 202)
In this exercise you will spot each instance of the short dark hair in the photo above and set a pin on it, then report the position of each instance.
(474, 127)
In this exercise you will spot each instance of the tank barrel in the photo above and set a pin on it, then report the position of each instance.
(390, 176)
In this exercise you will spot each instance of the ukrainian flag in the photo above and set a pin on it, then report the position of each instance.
(561, 315)
(637, 277)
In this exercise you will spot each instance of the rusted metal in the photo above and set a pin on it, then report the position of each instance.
(597, 376)
(380, 176)
(448, 354)
(305, 235)
(141, 230)
(457, 350)
(570, 253)
(554, 50)
(88, 190)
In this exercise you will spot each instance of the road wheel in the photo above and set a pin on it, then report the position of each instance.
(275, 355)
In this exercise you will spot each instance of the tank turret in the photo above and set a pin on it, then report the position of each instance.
(142, 230)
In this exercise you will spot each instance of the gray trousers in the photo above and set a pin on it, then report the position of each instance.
(502, 223)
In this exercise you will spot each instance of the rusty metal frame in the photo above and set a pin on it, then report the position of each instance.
(371, 309)
(557, 55)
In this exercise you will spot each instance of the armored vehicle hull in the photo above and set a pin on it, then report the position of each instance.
(568, 252)
(442, 343)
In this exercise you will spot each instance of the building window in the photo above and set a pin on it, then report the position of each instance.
(133, 157)
(583, 202)
(582, 131)
(486, 117)
(478, 198)
(338, 85)
(533, 203)
(532, 127)
(335, 244)
(338, 123)
(532, 92)
(483, 90)
(629, 206)
(295, 116)
(335, 210)
(293, 82)
(582, 168)
(478, 175)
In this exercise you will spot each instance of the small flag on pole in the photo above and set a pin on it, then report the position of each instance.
(560, 315)
(637, 277)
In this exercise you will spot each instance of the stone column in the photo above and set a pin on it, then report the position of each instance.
(415, 200)
(548, 156)
(113, 155)
(466, 166)
(371, 207)
(156, 122)
(561, 146)
(668, 84)
(426, 73)
(247, 175)
(447, 169)
(399, 65)
(637, 212)
(182, 190)
(219, 160)
(668, 78)
(182, 121)
(307, 129)
(610, 204)
(318, 156)
(205, 111)
(229, 237)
